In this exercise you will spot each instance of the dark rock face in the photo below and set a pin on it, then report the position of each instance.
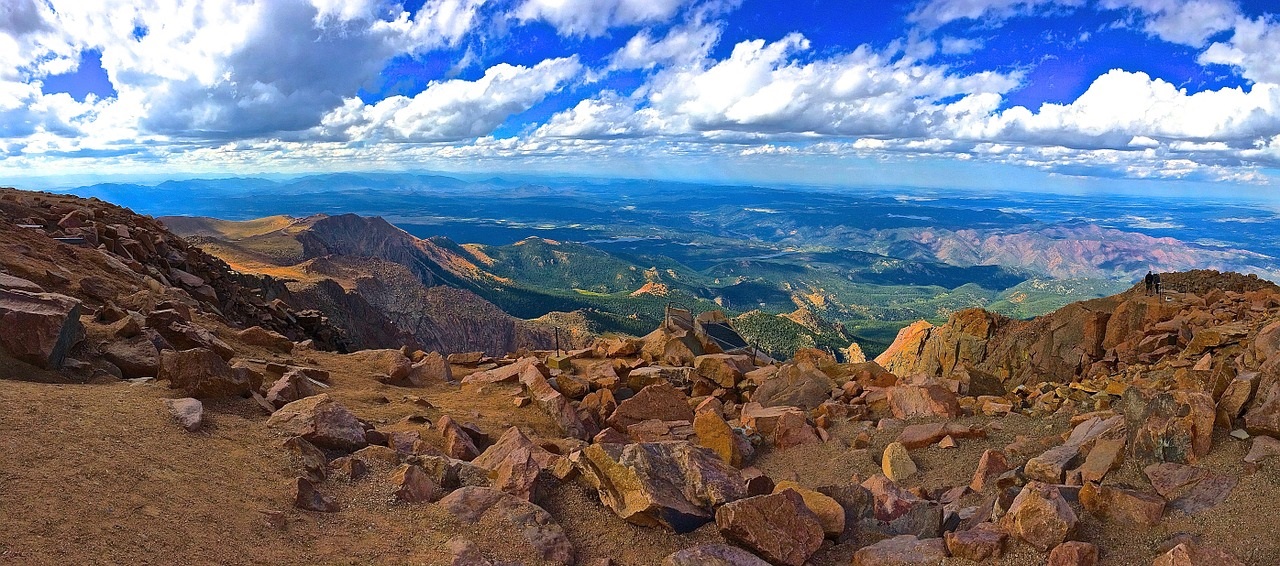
(39, 328)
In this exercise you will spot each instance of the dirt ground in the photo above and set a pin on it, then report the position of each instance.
(100, 474)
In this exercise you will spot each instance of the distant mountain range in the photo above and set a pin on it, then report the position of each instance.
(616, 252)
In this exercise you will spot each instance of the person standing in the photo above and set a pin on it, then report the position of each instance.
(1150, 280)
(1155, 280)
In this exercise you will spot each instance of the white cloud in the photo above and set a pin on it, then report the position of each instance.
(452, 110)
(593, 18)
(959, 45)
(682, 45)
(933, 14)
(1189, 22)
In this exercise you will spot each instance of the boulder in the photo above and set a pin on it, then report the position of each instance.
(321, 421)
(713, 554)
(674, 484)
(136, 356)
(261, 337)
(777, 527)
(556, 405)
(307, 498)
(457, 444)
(658, 401)
(1173, 426)
(432, 368)
(1074, 553)
(913, 401)
(308, 458)
(990, 466)
(896, 462)
(515, 516)
(1263, 417)
(902, 550)
(200, 372)
(829, 511)
(412, 485)
(795, 385)
(1119, 505)
(1040, 516)
(178, 331)
(188, 412)
(716, 435)
(793, 429)
(39, 328)
(921, 435)
(291, 386)
(725, 370)
(1189, 554)
(896, 511)
(979, 543)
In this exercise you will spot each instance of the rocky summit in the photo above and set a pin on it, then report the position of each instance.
(159, 406)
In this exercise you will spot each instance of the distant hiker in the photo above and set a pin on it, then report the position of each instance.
(1151, 281)
(1155, 279)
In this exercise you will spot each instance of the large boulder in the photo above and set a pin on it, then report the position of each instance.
(1169, 426)
(261, 337)
(291, 386)
(674, 484)
(777, 527)
(795, 385)
(902, 550)
(39, 328)
(321, 421)
(1040, 516)
(555, 404)
(713, 554)
(725, 370)
(136, 356)
(200, 372)
(914, 401)
(716, 435)
(658, 401)
(512, 515)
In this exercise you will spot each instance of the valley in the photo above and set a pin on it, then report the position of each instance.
(857, 264)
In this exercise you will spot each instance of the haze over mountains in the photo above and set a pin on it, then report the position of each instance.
(857, 265)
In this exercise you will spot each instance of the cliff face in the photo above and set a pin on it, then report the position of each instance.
(1094, 338)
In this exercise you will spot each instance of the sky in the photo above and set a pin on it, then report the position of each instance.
(1137, 95)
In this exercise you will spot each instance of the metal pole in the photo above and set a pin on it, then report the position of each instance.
(557, 340)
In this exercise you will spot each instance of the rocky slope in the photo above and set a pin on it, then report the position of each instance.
(383, 287)
(653, 450)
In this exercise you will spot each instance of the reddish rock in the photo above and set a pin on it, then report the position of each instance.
(654, 430)
(1188, 554)
(259, 336)
(291, 386)
(902, 550)
(504, 374)
(1106, 456)
(188, 412)
(556, 405)
(457, 444)
(659, 401)
(713, 554)
(990, 466)
(307, 498)
(322, 421)
(674, 484)
(1174, 426)
(1168, 478)
(831, 515)
(1239, 392)
(202, 373)
(716, 435)
(1206, 494)
(1074, 553)
(980, 543)
(777, 527)
(1263, 447)
(412, 484)
(516, 516)
(39, 328)
(912, 401)
(1122, 505)
(794, 385)
(921, 435)
(1263, 418)
(432, 368)
(136, 356)
(792, 430)
(1040, 516)
(724, 370)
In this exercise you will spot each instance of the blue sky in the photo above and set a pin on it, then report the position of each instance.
(1143, 95)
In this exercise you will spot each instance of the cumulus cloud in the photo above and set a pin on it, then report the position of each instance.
(452, 110)
(1189, 22)
(682, 45)
(593, 18)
